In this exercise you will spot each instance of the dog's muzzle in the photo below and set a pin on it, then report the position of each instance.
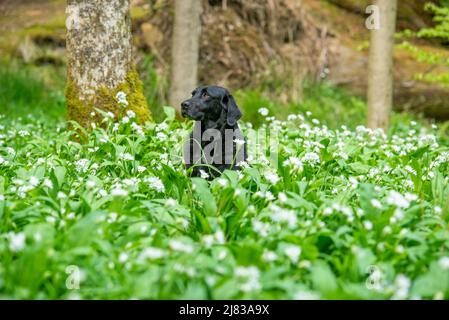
(185, 108)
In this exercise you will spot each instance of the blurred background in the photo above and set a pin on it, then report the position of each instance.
(287, 56)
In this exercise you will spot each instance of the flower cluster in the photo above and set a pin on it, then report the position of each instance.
(332, 205)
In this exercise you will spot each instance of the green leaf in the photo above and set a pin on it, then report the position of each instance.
(323, 278)
(359, 167)
(201, 188)
(60, 173)
(435, 280)
(170, 112)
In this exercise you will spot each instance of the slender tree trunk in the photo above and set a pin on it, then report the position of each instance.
(185, 50)
(100, 63)
(380, 77)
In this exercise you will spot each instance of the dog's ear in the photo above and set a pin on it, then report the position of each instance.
(232, 110)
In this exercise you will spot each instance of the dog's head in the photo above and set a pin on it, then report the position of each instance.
(211, 103)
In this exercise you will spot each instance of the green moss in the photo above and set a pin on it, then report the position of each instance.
(138, 13)
(105, 99)
(54, 27)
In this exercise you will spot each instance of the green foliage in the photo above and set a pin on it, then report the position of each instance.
(329, 104)
(345, 214)
(154, 88)
(441, 19)
(439, 31)
(23, 92)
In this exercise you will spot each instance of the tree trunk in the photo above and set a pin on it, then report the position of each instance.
(185, 51)
(380, 74)
(100, 63)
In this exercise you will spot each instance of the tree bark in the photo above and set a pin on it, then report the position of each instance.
(185, 51)
(380, 74)
(100, 62)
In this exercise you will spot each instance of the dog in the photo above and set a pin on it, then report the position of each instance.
(216, 142)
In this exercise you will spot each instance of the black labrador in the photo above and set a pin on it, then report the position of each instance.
(216, 142)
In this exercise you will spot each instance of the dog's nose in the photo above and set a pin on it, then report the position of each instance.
(185, 105)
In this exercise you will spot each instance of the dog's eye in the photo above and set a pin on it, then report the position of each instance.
(205, 95)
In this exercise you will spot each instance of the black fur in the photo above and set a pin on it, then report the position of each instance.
(213, 107)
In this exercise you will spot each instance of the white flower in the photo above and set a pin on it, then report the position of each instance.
(125, 120)
(272, 177)
(47, 183)
(180, 246)
(170, 202)
(354, 182)
(239, 142)
(396, 199)
(112, 217)
(282, 197)
(16, 241)
(306, 295)
(444, 263)
(126, 156)
(152, 253)
(402, 286)
(399, 249)
(50, 219)
(312, 158)
(123, 257)
(2, 197)
(155, 183)
(269, 196)
(34, 181)
(376, 203)
(121, 98)
(293, 252)
(328, 211)
(368, 225)
(410, 197)
(410, 170)
(119, 192)
(222, 182)
(82, 165)
(131, 114)
(261, 228)
(61, 195)
(295, 162)
(203, 174)
(90, 184)
(249, 277)
(141, 169)
(162, 126)
(284, 216)
(269, 256)
(161, 136)
(264, 111)
(387, 230)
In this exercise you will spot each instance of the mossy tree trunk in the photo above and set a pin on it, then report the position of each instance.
(185, 50)
(380, 73)
(100, 63)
